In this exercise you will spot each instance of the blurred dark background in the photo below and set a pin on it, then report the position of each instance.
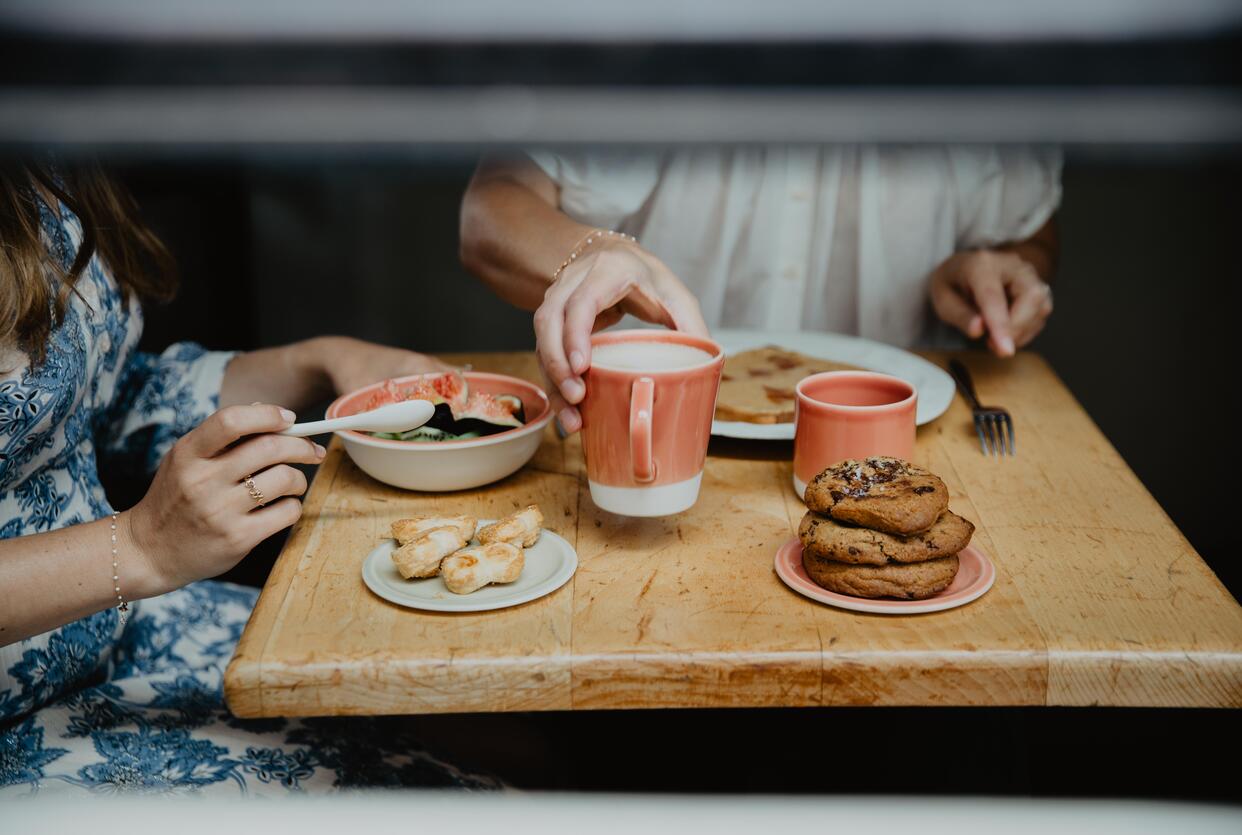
(302, 194)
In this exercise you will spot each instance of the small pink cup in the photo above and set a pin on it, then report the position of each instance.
(645, 432)
(850, 414)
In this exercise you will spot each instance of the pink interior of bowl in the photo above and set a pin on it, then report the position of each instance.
(534, 402)
(854, 389)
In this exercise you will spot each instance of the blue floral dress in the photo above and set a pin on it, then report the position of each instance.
(96, 707)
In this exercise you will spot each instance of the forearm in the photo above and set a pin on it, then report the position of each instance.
(1041, 250)
(50, 579)
(513, 235)
(293, 376)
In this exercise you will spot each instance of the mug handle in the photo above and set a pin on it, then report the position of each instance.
(642, 398)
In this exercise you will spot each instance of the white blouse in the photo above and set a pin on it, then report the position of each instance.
(839, 238)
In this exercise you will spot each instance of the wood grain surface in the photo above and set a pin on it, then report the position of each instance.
(1099, 599)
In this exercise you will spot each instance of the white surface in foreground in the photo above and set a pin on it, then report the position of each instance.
(462, 814)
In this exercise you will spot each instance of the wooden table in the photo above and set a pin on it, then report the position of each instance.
(1099, 599)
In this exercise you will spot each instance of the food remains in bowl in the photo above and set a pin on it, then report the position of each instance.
(460, 413)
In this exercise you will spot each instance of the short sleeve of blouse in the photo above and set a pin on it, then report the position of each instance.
(159, 398)
(1004, 193)
(600, 188)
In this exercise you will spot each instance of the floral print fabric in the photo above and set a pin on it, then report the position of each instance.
(92, 706)
(157, 723)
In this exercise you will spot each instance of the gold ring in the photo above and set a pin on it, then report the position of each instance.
(255, 492)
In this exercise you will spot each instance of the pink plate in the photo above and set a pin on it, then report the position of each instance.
(975, 575)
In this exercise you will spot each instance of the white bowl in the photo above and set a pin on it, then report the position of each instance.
(437, 466)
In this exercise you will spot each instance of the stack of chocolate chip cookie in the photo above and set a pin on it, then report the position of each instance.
(881, 527)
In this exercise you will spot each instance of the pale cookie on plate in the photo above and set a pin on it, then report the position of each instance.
(408, 530)
(824, 537)
(473, 568)
(884, 494)
(421, 557)
(905, 581)
(521, 528)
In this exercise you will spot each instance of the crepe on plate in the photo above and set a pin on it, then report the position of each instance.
(757, 386)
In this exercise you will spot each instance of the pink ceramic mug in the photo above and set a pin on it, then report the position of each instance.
(850, 414)
(645, 429)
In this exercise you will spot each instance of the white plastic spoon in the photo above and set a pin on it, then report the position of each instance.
(395, 417)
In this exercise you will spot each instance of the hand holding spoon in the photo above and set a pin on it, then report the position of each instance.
(395, 417)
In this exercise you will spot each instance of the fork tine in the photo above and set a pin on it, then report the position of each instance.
(979, 431)
(994, 438)
(1008, 421)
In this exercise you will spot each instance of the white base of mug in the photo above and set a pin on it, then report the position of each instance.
(799, 487)
(657, 500)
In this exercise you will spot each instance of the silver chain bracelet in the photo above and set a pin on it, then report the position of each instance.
(122, 607)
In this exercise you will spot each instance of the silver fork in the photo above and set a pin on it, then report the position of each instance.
(992, 423)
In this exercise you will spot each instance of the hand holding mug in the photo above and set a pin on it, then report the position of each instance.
(611, 279)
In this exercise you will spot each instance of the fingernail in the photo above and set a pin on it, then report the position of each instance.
(287, 416)
(576, 361)
(1005, 344)
(568, 420)
(573, 390)
(320, 451)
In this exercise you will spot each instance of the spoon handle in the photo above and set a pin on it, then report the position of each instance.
(318, 427)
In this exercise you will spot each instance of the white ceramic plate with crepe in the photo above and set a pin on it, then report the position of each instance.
(933, 384)
(550, 563)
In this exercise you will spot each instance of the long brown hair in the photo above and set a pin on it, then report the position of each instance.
(34, 285)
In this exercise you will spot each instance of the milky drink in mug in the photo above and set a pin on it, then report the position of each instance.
(647, 419)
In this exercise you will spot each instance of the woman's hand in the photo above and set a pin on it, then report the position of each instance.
(198, 519)
(994, 292)
(595, 291)
(351, 364)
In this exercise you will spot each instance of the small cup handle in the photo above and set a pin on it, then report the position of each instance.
(642, 398)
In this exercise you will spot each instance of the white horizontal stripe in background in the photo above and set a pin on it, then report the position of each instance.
(633, 20)
(198, 116)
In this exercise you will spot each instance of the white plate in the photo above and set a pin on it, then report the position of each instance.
(933, 384)
(550, 563)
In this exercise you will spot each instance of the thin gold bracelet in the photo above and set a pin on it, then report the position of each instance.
(122, 607)
(593, 236)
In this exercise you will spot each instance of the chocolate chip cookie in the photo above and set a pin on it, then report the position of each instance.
(885, 494)
(828, 539)
(905, 581)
